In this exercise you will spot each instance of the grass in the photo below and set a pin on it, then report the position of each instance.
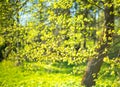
(36, 76)
(48, 75)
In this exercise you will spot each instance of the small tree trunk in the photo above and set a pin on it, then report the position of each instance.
(2, 48)
(84, 43)
(95, 63)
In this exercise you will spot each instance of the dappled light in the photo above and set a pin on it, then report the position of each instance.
(59, 43)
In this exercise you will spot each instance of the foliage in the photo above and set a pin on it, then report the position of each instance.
(57, 31)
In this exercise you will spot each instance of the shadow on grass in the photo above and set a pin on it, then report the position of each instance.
(54, 68)
(62, 68)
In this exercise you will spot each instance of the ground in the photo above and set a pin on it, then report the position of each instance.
(45, 75)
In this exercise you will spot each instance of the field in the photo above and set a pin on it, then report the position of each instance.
(48, 75)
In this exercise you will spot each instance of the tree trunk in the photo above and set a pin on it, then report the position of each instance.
(84, 43)
(2, 48)
(95, 63)
(94, 66)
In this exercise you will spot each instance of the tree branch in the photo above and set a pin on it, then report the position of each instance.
(18, 9)
(93, 3)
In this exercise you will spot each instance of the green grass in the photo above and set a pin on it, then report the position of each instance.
(36, 75)
(49, 75)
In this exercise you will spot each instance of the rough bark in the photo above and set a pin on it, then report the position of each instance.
(94, 66)
(95, 63)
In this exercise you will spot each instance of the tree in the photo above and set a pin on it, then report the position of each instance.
(95, 63)
(9, 13)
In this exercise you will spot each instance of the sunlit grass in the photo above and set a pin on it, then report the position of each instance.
(19, 76)
(49, 75)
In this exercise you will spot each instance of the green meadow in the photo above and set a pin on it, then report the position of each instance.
(49, 75)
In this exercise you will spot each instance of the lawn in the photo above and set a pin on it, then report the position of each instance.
(47, 75)
(34, 76)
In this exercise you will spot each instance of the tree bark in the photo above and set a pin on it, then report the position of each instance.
(94, 66)
(95, 63)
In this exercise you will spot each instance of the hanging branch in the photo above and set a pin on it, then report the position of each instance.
(93, 3)
(18, 9)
